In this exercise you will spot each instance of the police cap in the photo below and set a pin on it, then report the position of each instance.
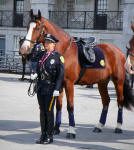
(50, 38)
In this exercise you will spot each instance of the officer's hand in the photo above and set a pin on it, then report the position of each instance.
(56, 93)
(33, 76)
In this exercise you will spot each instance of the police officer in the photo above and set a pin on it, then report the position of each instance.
(50, 71)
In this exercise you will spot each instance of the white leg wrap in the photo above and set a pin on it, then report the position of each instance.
(119, 125)
(71, 130)
(100, 125)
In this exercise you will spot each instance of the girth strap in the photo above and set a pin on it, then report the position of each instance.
(82, 71)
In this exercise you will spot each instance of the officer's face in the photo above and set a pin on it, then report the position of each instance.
(49, 46)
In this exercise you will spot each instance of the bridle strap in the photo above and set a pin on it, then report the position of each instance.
(41, 33)
(131, 54)
(30, 41)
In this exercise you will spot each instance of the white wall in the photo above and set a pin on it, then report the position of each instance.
(9, 36)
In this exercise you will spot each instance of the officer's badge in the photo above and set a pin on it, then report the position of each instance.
(102, 63)
(62, 59)
(52, 61)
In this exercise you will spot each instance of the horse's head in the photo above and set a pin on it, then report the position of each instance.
(35, 33)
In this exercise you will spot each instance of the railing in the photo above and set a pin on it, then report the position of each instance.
(13, 19)
(108, 20)
(11, 62)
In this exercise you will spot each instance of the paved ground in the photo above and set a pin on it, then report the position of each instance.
(19, 120)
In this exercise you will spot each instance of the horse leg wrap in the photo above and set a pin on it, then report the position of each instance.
(119, 117)
(103, 116)
(119, 120)
(71, 119)
(71, 116)
(58, 119)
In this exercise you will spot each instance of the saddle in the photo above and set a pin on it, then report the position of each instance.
(90, 56)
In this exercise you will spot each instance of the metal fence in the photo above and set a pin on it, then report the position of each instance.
(108, 20)
(13, 19)
(102, 20)
(11, 62)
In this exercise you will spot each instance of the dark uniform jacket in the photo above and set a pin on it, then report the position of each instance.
(34, 56)
(50, 72)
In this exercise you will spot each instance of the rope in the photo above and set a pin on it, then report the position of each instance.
(32, 90)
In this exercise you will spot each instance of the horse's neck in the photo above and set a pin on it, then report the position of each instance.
(59, 33)
(55, 30)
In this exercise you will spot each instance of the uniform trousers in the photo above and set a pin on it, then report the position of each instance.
(46, 115)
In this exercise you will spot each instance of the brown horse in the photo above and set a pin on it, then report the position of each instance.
(114, 70)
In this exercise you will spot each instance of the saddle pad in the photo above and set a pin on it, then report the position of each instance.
(99, 58)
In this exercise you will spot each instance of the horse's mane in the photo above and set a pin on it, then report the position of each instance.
(54, 29)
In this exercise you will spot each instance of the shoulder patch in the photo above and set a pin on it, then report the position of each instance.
(62, 59)
(102, 63)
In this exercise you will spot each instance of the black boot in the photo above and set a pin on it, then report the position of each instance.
(49, 140)
(42, 139)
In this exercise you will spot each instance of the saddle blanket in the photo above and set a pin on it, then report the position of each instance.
(99, 58)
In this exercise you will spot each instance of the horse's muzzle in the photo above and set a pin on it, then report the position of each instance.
(24, 50)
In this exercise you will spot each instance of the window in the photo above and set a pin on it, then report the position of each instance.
(120, 5)
(2, 46)
(102, 5)
(19, 6)
(70, 5)
(81, 2)
(2, 2)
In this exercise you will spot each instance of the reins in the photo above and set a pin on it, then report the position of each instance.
(32, 90)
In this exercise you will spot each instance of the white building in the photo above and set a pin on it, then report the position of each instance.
(108, 20)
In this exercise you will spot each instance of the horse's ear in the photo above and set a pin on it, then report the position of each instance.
(31, 13)
(39, 14)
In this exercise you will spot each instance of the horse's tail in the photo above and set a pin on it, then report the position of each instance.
(128, 93)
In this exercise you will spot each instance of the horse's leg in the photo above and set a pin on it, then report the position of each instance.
(58, 114)
(119, 90)
(69, 89)
(23, 68)
(102, 86)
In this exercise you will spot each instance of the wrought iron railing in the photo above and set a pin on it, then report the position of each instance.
(12, 62)
(13, 19)
(108, 20)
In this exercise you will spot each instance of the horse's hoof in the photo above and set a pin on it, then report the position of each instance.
(117, 130)
(97, 130)
(56, 130)
(70, 136)
(21, 79)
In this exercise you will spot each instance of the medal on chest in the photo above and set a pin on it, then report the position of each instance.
(52, 61)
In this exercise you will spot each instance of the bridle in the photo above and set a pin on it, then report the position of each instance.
(29, 41)
(41, 33)
(131, 53)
